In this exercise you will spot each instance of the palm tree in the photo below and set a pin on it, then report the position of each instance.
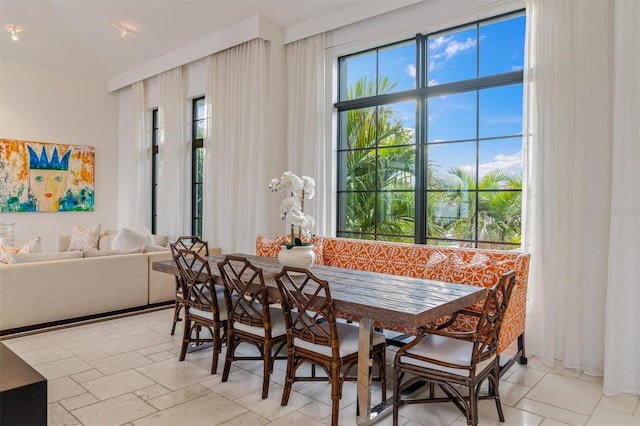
(498, 205)
(380, 176)
(380, 198)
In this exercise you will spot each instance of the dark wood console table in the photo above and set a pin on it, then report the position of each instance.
(23, 392)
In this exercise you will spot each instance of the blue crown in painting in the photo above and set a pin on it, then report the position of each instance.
(43, 162)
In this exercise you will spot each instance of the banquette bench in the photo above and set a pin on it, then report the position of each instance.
(480, 267)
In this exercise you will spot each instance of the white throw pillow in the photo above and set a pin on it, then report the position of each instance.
(161, 240)
(128, 238)
(153, 248)
(33, 246)
(83, 239)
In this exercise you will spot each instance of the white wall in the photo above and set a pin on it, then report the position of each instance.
(42, 105)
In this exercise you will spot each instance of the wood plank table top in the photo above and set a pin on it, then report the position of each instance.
(390, 298)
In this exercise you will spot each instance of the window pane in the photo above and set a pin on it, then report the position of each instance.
(397, 123)
(361, 170)
(452, 117)
(452, 56)
(502, 46)
(500, 163)
(396, 168)
(200, 129)
(199, 172)
(397, 68)
(452, 166)
(198, 195)
(395, 213)
(201, 109)
(358, 128)
(501, 111)
(358, 76)
(499, 216)
(390, 213)
(360, 211)
(451, 214)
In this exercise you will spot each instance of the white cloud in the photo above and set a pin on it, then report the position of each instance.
(411, 70)
(512, 162)
(456, 47)
(445, 47)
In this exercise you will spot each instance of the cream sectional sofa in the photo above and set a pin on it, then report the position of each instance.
(53, 291)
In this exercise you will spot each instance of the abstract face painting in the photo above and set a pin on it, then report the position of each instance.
(45, 177)
(48, 178)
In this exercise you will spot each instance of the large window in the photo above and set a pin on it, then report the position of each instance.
(430, 138)
(197, 167)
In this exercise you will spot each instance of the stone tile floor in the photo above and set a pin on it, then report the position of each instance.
(125, 371)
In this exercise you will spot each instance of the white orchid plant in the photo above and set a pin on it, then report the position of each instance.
(292, 207)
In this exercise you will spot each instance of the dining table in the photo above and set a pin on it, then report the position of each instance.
(369, 297)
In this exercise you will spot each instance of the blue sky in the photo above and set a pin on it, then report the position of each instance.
(452, 56)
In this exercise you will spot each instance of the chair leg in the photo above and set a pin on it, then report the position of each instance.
(495, 380)
(397, 377)
(335, 393)
(472, 414)
(185, 337)
(266, 372)
(228, 359)
(383, 374)
(216, 349)
(176, 317)
(288, 382)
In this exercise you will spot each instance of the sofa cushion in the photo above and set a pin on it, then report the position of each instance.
(98, 253)
(43, 257)
(33, 246)
(82, 238)
(128, 238)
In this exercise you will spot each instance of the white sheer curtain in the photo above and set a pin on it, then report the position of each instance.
(622, 369)
(173, 153)
(139, 194)
(569, 189)
(307, 152)
(237, 94)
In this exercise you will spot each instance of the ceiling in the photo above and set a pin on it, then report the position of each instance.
(84, 36)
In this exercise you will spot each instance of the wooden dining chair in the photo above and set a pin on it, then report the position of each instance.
(186, 242)
(458, 362)
(314, 336)
(250, 319)
(204, 304)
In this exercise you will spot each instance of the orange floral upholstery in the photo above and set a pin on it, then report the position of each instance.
(271, 248)
(452, 264)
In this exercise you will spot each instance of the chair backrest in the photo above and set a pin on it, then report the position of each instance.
(197, 280)
(191, 242)
(487, 333)
(245, 292)
(309, 311)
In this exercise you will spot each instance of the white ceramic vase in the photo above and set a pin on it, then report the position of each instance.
(297, 256)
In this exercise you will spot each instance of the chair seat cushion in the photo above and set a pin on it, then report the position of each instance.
(222, 308)
(447, 349)
(348, 335)
(278, 327)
